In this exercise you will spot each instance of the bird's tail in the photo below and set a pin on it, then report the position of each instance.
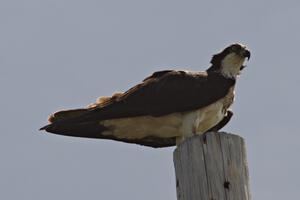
(91, 129)
(66, 114)
(62, 123)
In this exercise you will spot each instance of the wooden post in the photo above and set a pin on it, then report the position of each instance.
(212, 167)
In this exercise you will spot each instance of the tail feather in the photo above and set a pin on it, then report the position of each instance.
(63, 123)
(87, 129)
(66, 114)
(95, 130)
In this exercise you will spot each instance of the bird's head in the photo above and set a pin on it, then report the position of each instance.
(230, 61)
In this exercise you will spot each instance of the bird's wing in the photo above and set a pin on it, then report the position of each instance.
(158, 74)
(160, 94)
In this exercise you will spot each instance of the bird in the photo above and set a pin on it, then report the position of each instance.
(164, 109)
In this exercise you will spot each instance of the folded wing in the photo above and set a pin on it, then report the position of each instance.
(163, 93)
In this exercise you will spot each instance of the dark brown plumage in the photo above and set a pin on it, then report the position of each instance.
(162, 93)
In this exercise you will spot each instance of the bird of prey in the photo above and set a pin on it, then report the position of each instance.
(164, 108)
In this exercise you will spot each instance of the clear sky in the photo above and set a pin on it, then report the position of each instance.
(58, 54)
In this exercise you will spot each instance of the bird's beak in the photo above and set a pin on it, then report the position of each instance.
(246, 53)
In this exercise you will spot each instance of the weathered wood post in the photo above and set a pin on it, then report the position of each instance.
(212, 167)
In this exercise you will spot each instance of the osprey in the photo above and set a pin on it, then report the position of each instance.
(164, 108)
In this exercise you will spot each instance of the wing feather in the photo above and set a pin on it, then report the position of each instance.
(170, 92)
(162, 93)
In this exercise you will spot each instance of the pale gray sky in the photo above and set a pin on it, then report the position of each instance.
(58, 54)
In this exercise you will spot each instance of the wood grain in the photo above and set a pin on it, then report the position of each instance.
(212, 167)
